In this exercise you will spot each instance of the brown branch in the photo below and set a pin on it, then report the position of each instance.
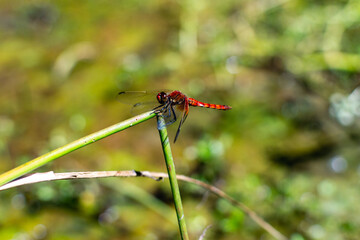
(51, 176)
(204, 232)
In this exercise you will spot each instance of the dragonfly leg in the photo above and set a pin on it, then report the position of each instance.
(168, 112)
(168, 115)
(173, 112)
(165, 109)
(174, 115)
(183, 118)
(160, 108)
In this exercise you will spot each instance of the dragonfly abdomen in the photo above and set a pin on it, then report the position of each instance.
(196, 103)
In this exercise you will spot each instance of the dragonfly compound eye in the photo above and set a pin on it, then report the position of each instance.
(161, 97)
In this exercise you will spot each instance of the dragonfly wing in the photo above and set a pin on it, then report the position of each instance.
(133, 97)
(185, 108)
(142, 107)
(140, 101)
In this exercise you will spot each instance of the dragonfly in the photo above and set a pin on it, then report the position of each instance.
(171, 104)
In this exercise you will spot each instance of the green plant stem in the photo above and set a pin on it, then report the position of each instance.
(172, 176)
(48, 157)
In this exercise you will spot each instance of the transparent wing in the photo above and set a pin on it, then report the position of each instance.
(140, 101)
(133, 97)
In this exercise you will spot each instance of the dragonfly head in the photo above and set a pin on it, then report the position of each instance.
(161, 97)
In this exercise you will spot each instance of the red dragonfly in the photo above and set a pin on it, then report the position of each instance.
(170, 102)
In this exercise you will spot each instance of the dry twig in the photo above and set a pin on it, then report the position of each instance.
(51, 176)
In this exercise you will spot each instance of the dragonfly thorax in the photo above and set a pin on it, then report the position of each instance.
(162, 97)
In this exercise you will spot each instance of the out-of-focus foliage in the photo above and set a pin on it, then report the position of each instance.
(289, 148)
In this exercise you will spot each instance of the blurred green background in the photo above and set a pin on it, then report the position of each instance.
(289, 148)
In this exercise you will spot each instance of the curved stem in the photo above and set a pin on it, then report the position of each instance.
(48, 157)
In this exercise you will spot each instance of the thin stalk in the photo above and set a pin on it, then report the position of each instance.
(170, 166)
(48, 157)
